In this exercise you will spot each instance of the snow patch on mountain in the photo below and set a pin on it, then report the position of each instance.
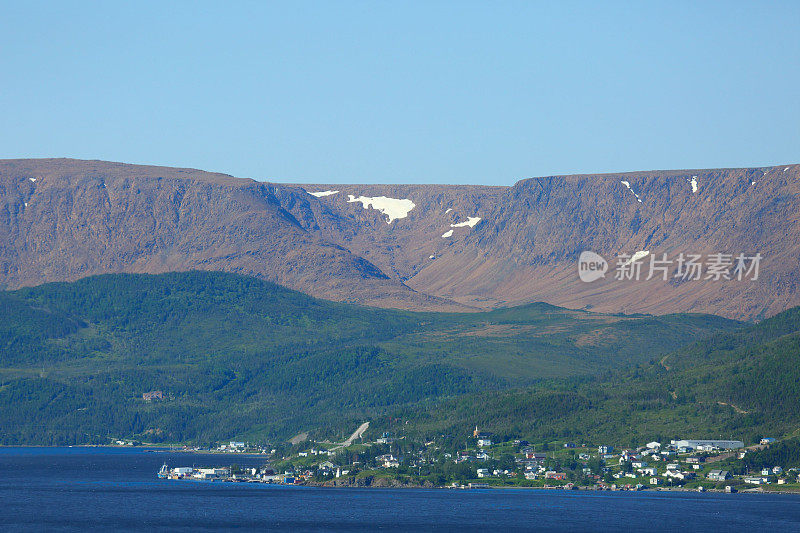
(393, 208)
(446, 234)
(628, 185)
(320, 194)
(471, 221)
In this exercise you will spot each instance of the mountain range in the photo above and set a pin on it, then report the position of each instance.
(414, 247)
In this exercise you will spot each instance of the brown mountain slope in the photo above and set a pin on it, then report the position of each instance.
(404, 246)
(66, 219)
(527, 247)
(369, 244)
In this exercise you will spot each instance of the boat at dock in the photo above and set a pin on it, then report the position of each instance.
(164, 472)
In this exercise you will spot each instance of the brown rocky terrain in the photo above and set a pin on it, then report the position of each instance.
(527, 247)
(64, 219)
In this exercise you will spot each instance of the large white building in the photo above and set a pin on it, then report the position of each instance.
(721, 444)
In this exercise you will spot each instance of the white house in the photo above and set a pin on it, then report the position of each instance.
(719, 475)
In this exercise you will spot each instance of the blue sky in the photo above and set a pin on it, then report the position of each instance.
(380, 92)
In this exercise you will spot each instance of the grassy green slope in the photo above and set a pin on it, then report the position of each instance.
(240, 357)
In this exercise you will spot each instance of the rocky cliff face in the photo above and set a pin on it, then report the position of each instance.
(527, 247)
(62, 220)
(437, 247)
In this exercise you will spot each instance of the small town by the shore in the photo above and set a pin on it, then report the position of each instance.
(485, 460)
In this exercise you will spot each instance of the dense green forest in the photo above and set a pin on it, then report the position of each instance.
(742, 384)
(237, 357)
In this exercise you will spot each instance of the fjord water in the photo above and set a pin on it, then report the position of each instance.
(117, 489)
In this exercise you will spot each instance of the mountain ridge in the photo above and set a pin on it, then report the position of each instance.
(81, 218)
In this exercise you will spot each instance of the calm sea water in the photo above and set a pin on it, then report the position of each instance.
(117, 489)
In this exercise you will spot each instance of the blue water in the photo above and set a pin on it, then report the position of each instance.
(66, 489)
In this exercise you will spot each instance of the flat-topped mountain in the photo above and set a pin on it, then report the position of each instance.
(65, 219)
(527, 246)
(422, 247)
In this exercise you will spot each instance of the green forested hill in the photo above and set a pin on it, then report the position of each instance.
(742, 384)
(240, 357)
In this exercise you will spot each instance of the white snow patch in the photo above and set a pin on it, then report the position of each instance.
(636, 256)
(752, 183)
(33, 180)
(448, 210)
(785, 169)
(446, 234)
(393, 208)
(628, 185)
(694, 183)
(431, 256)
(322, 193)
(26, 204)
(471, 221)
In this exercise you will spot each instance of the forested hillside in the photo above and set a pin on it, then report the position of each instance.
(240, 357)
(742, 384)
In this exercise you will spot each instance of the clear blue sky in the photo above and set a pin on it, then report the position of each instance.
(428, 92)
